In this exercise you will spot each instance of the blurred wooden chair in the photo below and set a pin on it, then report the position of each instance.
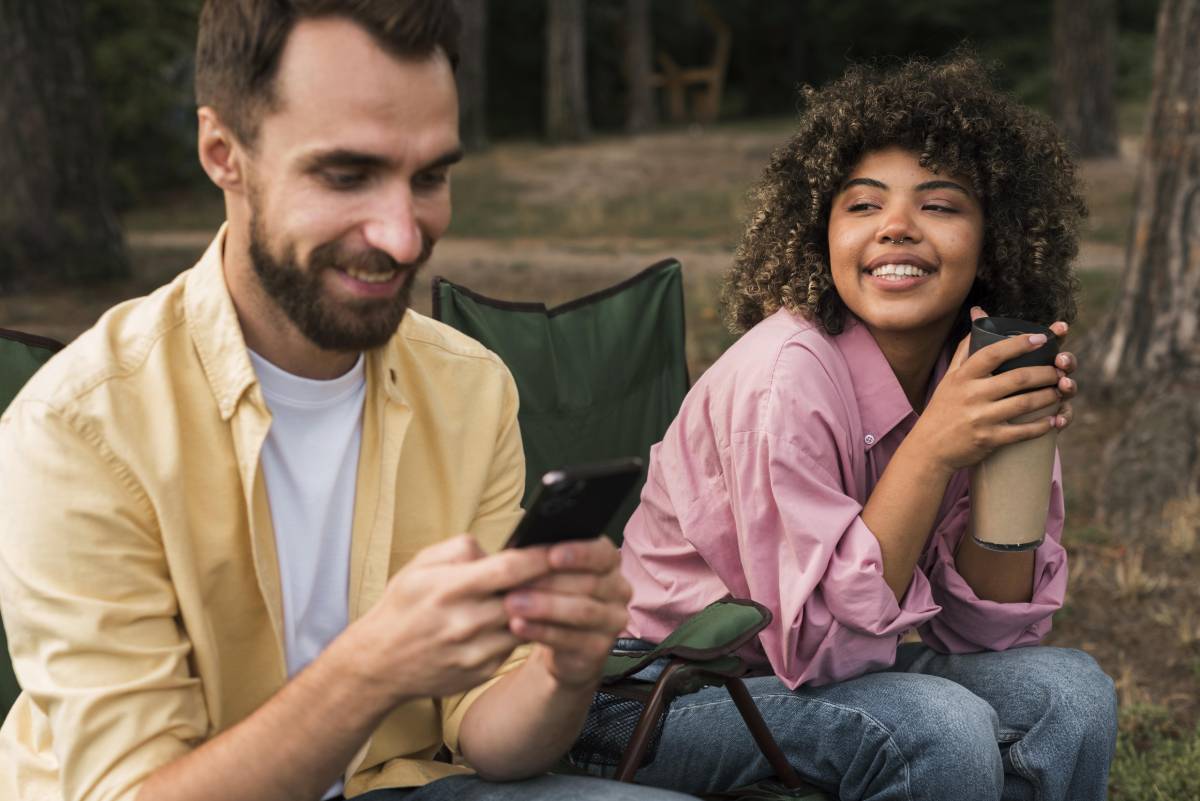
(675, 81)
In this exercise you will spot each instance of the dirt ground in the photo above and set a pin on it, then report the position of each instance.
(616, 205)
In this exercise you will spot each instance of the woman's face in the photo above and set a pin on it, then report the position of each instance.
(904, 244)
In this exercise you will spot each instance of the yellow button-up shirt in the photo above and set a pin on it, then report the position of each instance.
(138, 574)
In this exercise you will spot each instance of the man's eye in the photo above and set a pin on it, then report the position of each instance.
(431, 180)
(344, 179)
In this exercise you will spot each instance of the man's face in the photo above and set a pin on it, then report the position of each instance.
(348, 185)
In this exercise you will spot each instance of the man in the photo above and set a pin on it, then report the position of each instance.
(227, 561)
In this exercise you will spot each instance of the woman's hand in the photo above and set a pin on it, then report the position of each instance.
(1066, 363)
(969, 414)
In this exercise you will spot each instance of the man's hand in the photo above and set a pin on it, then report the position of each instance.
(441, 626)
(575, 612)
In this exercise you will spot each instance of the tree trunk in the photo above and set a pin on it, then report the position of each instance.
(472, 74)
(1149, 349)
(640, 113)
(566, 84)
(56, 220)
(1085, 68)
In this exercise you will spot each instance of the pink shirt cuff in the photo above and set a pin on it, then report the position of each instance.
(969, 623)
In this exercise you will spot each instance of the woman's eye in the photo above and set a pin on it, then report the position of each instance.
(938, 207)
(861, 205)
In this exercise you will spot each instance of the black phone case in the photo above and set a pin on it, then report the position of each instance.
(576, 503)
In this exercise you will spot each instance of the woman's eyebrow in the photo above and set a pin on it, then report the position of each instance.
(863, 182)
(928, 185)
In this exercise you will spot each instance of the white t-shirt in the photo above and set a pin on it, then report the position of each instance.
(310, 464)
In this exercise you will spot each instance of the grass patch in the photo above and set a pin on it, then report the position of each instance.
(1155, 760)
(201, 208)
(1110, 213)
(1097, 292)
(488, 205)
(1087, 534)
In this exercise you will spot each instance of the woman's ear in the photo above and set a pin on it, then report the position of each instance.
(221, 154)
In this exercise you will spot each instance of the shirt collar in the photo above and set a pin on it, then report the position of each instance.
(882, 404)
(217, 336)
(215, 330)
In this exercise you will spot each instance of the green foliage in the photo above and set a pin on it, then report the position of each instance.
(1155, 760)
(142, 50)
(142, 54)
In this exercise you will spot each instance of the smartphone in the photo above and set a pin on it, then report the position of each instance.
(576, 503)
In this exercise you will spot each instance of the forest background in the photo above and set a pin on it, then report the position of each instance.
(579, 175)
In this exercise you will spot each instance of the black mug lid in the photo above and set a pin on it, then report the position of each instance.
(987, 330)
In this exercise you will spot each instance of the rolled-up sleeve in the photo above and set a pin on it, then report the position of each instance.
(803, 550)
(89, 608)
(498, 513)
(969, 623)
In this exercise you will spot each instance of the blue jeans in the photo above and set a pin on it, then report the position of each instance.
(1028, 723)
(541, 788)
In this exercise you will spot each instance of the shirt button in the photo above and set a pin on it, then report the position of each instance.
(869, 439)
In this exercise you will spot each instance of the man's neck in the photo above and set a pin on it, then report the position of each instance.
(266, 329)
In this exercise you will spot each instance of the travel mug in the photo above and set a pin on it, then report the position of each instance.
(1010, 489)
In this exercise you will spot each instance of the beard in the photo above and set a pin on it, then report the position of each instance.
(347, 325)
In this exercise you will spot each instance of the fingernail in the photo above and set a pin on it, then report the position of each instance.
(1037, 339)
(519, 601)
(1061, 422)
(566, 557)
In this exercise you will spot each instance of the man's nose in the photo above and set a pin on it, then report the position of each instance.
(393, 228)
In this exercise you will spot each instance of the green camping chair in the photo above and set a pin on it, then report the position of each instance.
(600, 378)
(20, 357)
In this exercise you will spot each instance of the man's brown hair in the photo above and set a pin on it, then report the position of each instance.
(240, 42)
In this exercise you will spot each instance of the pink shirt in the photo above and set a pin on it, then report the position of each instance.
(757, 491)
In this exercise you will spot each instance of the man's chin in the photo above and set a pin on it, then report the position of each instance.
(361, 332)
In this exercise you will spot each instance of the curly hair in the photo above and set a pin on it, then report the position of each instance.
(951, 116)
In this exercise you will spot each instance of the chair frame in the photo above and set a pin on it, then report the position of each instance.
(681, 677)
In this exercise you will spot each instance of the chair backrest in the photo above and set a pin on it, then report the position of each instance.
(20, 357)
(600, 377)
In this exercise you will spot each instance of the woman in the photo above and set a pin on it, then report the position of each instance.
(819, 466)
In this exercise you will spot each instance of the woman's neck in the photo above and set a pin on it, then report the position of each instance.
(912, 356)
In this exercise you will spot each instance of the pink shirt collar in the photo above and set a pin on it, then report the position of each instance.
(882, 404)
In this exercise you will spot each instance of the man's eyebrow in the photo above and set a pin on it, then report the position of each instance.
(340, 157)
(445, 160)
(354, 159)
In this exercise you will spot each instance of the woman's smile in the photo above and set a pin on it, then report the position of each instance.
(904, 243)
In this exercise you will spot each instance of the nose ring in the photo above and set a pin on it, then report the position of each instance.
(899, 241)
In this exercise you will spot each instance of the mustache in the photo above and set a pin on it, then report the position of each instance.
(332, 255)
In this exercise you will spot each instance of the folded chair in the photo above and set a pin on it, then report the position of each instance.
(602, 377)
(20, 357)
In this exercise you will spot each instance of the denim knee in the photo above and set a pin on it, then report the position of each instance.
(1080, 696)
(947, 745)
